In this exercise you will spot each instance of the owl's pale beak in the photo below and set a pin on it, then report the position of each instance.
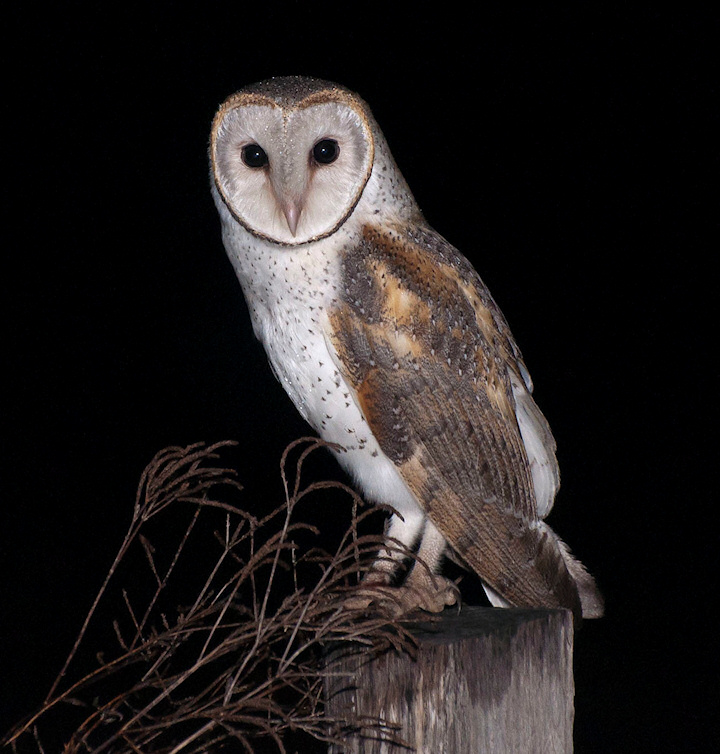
(292, 210)
(289, 194)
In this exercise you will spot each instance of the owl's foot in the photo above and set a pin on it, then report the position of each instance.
(421, 590)
(426, 591)
(374, 588)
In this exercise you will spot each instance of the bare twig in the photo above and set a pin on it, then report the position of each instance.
(242, 661)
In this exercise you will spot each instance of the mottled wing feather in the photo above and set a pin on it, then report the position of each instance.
(428, 354)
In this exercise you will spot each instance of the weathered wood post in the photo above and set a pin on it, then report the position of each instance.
(484, 680)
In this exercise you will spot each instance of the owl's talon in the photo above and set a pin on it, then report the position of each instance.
(373, 588)
(429, 593)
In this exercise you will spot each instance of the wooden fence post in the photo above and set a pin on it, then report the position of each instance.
(484, 680)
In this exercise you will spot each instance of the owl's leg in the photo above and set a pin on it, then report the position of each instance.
(424, 587)
(404, 530)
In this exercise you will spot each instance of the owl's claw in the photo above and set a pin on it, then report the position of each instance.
(427, 591)
(374, 588)
(421, 590)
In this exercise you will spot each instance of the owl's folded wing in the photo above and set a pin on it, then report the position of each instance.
(430, 360)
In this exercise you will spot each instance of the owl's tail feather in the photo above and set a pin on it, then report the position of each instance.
(591, 601)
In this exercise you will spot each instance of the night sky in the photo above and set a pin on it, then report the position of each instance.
(569, 154)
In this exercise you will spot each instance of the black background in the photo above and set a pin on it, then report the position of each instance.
(570, 153)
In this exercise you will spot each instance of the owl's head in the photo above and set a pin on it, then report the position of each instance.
(291, 157)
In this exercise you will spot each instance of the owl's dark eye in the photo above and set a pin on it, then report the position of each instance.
(326, 151)
(253, 155)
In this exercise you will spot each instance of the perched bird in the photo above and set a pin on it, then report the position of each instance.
(390, 345)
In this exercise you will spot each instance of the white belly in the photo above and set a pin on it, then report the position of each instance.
(301, 359)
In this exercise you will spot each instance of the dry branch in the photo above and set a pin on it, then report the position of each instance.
(241, 662)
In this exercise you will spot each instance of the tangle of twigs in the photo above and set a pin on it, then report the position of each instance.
(240, 665)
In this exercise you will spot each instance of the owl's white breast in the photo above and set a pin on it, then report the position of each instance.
(289, 292)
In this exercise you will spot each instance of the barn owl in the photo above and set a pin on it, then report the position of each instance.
(390, 345)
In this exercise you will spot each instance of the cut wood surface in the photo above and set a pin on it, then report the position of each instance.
(482, 680)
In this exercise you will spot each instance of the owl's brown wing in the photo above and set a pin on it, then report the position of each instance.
(429, 356)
